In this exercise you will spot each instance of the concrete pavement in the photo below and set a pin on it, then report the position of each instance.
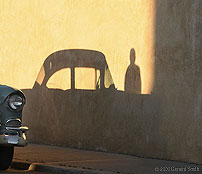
(53, 159)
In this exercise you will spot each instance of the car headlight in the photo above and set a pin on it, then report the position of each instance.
(16, 101)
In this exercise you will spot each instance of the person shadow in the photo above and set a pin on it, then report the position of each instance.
(132, 76)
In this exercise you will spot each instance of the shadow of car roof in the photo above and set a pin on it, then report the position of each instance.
(75, 58)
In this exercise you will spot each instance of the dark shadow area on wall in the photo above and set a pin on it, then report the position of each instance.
(133, 78)
(178, 28)
(98, 117)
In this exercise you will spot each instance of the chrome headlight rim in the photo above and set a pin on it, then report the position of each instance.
(18, 94)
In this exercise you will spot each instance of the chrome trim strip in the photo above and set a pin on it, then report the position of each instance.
(24, 128)
(14, 119)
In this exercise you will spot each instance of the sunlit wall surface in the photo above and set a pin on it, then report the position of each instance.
(32, 30)
(60, 80)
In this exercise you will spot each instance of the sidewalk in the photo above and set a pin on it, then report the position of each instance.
(53, 159)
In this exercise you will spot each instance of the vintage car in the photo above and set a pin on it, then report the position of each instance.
(12, 133)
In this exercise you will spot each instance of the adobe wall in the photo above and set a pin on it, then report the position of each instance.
(178, 78)
(163, 122)
(32, 30)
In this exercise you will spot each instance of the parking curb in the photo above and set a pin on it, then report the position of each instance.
(54, 169)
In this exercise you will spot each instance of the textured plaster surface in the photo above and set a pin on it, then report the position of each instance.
(32, 30)
(178, 63)
(167, 38)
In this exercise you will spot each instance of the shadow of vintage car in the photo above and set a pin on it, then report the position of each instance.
(51, 110)
(80, 115)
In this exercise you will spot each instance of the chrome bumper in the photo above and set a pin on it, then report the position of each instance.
(18, 139)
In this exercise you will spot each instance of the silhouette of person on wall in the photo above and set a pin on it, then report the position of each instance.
(132, 77)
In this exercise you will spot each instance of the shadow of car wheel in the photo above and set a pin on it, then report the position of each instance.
(6, 156)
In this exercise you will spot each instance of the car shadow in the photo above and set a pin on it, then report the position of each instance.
(98, 118)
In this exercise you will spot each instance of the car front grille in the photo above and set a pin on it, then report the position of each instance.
(13, 123)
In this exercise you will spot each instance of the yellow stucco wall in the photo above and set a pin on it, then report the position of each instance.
(32, 30)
